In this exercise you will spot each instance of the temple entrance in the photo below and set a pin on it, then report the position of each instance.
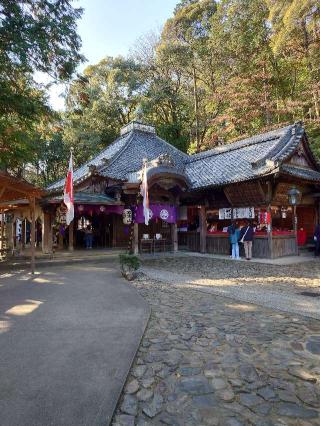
(101, 227)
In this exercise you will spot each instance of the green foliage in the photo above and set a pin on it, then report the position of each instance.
(129, 260)
(39, 35)
(99, 103)
(35, 36)
(218, 71)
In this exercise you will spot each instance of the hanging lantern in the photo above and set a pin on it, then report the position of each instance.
(81, 208)
(61, 214)
(102, 209)
(127, 216)
(293, 196)
(283, 212)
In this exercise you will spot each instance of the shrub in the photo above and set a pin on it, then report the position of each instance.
(129, 263)
(130, 260)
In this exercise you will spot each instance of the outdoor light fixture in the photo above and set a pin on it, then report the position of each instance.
(293, 196)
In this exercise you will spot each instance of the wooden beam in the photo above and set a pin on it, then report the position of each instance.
(26, 192)
(203, 229)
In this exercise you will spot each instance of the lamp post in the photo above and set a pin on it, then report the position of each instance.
(293, 198)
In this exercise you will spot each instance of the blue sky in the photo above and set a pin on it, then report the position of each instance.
(111, 28)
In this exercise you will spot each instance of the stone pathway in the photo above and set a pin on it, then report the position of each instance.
(208, 360)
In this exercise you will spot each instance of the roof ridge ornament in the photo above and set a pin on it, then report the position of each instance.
(165, 160)
(137, 125)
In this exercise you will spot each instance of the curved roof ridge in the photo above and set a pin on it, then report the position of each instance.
(287, 144)
(241, 143)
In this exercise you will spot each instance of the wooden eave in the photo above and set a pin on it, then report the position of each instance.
(13, 189)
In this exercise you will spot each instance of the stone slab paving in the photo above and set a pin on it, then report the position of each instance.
(278, 287)
(210, 360)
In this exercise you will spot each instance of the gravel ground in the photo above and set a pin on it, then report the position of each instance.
(277, 287)
(285, 279)
(209, 360)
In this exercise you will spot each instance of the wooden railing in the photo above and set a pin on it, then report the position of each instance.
(282, 245)
(189, 241)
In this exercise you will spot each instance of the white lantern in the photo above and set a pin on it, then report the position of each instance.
(127, 216)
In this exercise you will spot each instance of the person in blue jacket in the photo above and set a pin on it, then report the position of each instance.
(230, 230)
(234, 238)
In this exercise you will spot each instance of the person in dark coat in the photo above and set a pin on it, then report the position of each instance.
(316, 237)
(246, 236)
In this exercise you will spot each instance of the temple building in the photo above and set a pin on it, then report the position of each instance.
(192, 198)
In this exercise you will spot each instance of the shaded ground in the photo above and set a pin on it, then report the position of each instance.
(67, 336)
(208, 360)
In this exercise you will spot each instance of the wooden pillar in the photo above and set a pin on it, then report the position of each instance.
(33, 233)
(71, 227)
(60, 240)
(269, 225)
(11, 235)
(46, 233)
(203, 229)
(114, 231)
(23, 233)
(2, 231)
(50, 235)
(269, 231)
(295, 228)
(135, 238)
(174, 236)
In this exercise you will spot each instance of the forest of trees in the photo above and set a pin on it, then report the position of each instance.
(218, 71)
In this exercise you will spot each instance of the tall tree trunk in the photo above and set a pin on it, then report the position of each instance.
(196, 108)
(267, 112)
(310, 67)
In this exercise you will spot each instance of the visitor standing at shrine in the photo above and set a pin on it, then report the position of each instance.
(246, 237)
(234, 238)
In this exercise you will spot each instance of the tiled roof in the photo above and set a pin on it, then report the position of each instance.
(243, 160)
(300, 172)
(98, 161)
(126, 156)
(85, 197)
(142, 145)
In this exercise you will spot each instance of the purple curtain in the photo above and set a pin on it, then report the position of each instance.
(165, 212)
